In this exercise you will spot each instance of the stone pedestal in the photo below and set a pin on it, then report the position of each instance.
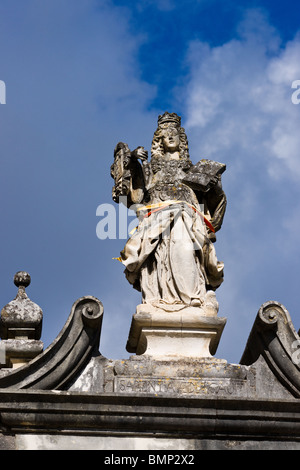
(20, 327)
(17, 352)
(188, 332)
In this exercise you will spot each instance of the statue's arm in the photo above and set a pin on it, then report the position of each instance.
(137, 183)
(128, 174)
(216, 203)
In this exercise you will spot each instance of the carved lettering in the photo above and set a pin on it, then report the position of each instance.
(177, 386)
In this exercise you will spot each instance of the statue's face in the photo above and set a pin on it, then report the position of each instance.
(170, 139)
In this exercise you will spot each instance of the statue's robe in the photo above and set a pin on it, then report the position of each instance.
(170, 257)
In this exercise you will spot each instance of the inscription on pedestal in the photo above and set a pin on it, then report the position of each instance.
(177, 386)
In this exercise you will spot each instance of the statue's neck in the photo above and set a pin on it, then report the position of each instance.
(172, 156)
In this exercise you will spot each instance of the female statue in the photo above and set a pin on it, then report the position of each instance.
(170, 257)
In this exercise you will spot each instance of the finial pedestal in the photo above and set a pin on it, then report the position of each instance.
(20, 327)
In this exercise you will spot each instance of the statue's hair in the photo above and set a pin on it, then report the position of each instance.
(157, 150)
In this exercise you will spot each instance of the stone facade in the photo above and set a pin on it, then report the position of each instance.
(173, 393)
(71, 397)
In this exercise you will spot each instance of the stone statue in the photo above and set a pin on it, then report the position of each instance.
(171, 257)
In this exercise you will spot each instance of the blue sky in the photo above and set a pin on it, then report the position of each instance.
(82, 76)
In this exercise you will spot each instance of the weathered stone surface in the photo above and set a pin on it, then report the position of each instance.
(20, 326)
(18, 352)
(222, 422)
(69, 353)
(7, 442)
(176, 447)
(201, 176)
(171, 258)
(191, 403)
(21, 318)
(274, 345)
(188, 332)
(183, 378)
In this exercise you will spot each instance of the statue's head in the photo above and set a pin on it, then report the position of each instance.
(169, 137)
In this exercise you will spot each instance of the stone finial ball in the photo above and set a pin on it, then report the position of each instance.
(22, 278)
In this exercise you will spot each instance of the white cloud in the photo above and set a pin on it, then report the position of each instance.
(239, 97)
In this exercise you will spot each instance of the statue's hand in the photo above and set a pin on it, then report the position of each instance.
(140, 153)
(214, 181)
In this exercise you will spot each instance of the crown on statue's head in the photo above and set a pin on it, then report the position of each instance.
(167, 118)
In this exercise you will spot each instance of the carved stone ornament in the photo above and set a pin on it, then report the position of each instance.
(56, 367)
(21, 325)
(21, 318)
(171, 256)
